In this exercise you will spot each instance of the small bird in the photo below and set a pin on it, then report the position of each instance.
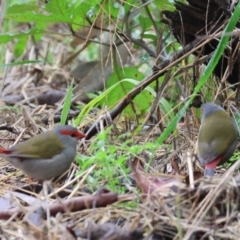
(217, 138)
(46, 155)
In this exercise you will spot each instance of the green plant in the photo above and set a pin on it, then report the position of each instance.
(111, 159)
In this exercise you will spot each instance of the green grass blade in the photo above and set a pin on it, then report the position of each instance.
(67, 104)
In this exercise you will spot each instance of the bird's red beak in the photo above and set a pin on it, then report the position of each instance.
(80, 135)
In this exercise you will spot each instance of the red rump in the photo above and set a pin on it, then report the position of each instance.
(2, 150)
(214, 163)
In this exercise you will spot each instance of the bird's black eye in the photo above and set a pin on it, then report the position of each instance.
(73, 135)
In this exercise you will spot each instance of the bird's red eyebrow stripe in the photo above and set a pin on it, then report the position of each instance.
(76, 133)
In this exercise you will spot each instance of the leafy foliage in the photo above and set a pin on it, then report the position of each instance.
(111, 159)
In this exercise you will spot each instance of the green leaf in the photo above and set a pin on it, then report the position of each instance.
(59, 7)
(20, 8)
(165, 5)
(150, 36)
(38, 17)
(80, 14)
(129, 4)
(145, 23)
(4, 38)
(41, 26)
(112, 8)
(133, 76)
(167, 109)
(20, 46)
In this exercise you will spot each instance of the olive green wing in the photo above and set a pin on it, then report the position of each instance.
(215, 137)
(44, 145)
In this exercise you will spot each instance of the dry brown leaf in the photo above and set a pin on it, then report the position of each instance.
(149, 184)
